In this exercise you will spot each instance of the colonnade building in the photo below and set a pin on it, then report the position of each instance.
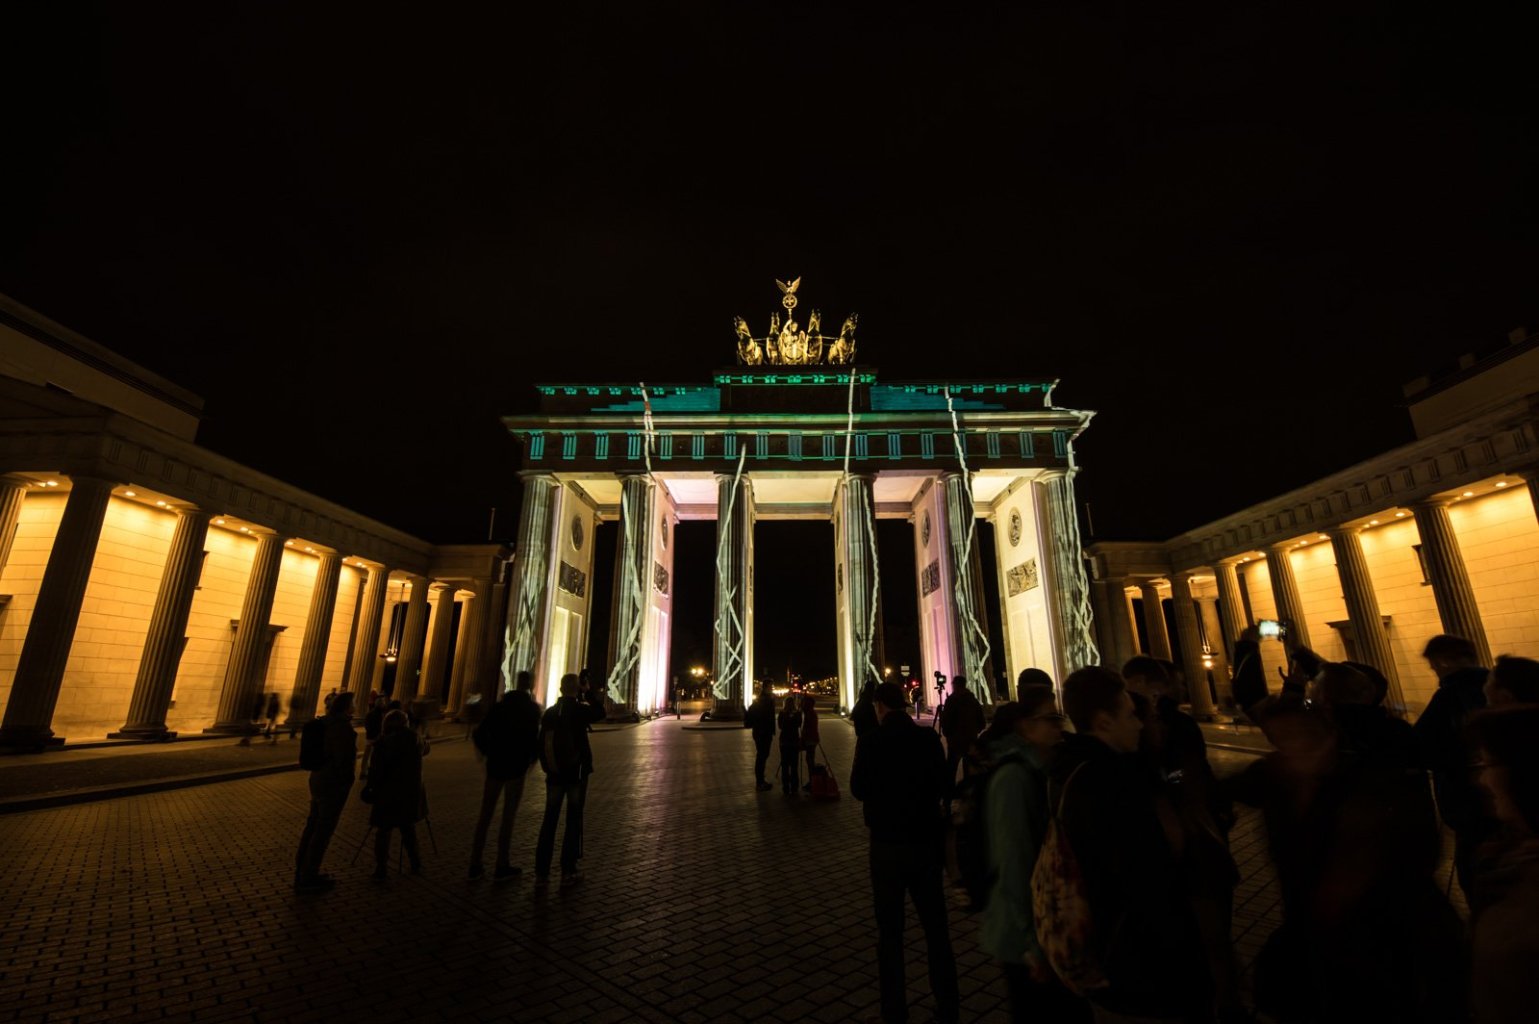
(149, 586)
(1437, 536)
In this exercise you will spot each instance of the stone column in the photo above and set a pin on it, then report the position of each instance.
(729, 646)
(45, 652)
(242, 681)
(13, 491)
(462, 643)
(1070, 594)
(970, 620)
(1122, 639)
(1231, 605)
(1212, 625)
(366, 636)
(1285, 594)
(632, 587)
(408, 662)
(857, 511)
(1456, 607)
(1191, 647)
(436, 670)
(312, 652)
(1363, 608)
(531, 570)
(162, 653)
(1154, 621)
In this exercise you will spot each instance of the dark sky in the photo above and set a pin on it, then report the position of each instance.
(1234, 230)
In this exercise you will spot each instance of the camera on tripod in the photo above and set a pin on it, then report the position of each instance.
(940, 682)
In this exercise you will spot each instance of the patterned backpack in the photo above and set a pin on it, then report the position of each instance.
(1062, 909)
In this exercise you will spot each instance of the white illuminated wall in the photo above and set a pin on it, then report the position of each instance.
(657, 629)
(1027, 617)
(938, 647)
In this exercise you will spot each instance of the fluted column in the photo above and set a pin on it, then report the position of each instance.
(1285, 594)
(408, 662)
(1456, 607)
(1212, 626)
(970, 620)
(857, 511)
(1058, 516)
(366, 636)
(241, 680)
(632, 585)
(1363, 608)
(436, 672)
(13, 491)
(462, 643)
(312, 652)
(1154, 621)
(1124, 639)
(167, 635)
(1185, 606)
(531, 570)
(729, 649)
(45, 652)
(1231, 605)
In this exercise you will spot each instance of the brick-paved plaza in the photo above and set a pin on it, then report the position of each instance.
(703, 901)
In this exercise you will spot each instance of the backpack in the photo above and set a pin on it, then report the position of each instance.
(1061, 907)
(312, 746)
(972, 834)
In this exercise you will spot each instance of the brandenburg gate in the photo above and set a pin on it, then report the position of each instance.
(798, 429)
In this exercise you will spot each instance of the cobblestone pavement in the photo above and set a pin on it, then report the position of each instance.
(704, 901)
(34, 775)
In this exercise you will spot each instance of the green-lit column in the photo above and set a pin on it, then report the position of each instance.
(531, 568)
(1070, 593)
(633, 583)
(857, 511)
(729, 657)
(970, 618)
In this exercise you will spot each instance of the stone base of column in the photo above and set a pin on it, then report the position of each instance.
(623, 713)
(144, 733)
(24, 740)
(233, 729)
(727, 710)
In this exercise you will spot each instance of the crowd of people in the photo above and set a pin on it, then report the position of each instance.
(1108, 885)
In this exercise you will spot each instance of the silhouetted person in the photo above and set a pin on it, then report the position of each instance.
(1504, 923)
(761, 719)
(395, 779)
(1127, 842)
(329, 787)
(1031, 677)
(1019, 744)
(508, 738)
(961, 722)
(567, 758)
(1512, 680)
(1440, 741)
(274, 707)
(790, 723)
(863, 714)
(900, 779)
(810, 735)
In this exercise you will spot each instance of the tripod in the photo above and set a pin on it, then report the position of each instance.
(401, 850)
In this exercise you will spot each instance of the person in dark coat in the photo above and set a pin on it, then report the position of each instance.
(508, 738)
(811, 737)
(1504, 916)
(1513, 680)
(567, 757)
(395, 779)
(329, 789)
(900, 779)
(1128, 841)
(761, 719)
(1440, 739)
(863, 714)
(790, 747)
(1032, 677)
(961, 720)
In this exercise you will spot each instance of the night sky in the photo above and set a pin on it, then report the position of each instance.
(1234, 230)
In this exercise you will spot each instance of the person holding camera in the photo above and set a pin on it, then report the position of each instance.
(961, 720)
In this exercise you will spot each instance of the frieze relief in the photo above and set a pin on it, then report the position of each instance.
(1023, 577)
(572, 579)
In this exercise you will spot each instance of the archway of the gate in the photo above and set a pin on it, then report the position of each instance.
(1038, 565)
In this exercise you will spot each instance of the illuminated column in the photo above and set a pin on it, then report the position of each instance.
(44, 653)
(408, 663)
(312, 653)
(1114, 627)
(1070, 587)
(729, 651)
(1231, 604)
(531, 570)
(858, 513)
(970, 618)
(1285, 593)
(162, 652)
(437, 666)
(1456, 606)
(1154, 621)
(242, 682)
(465, 648)
(1191, 646)
(366, 637)
(1363, 608)
(1212, 626)
(13, 491)
(633, 582)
